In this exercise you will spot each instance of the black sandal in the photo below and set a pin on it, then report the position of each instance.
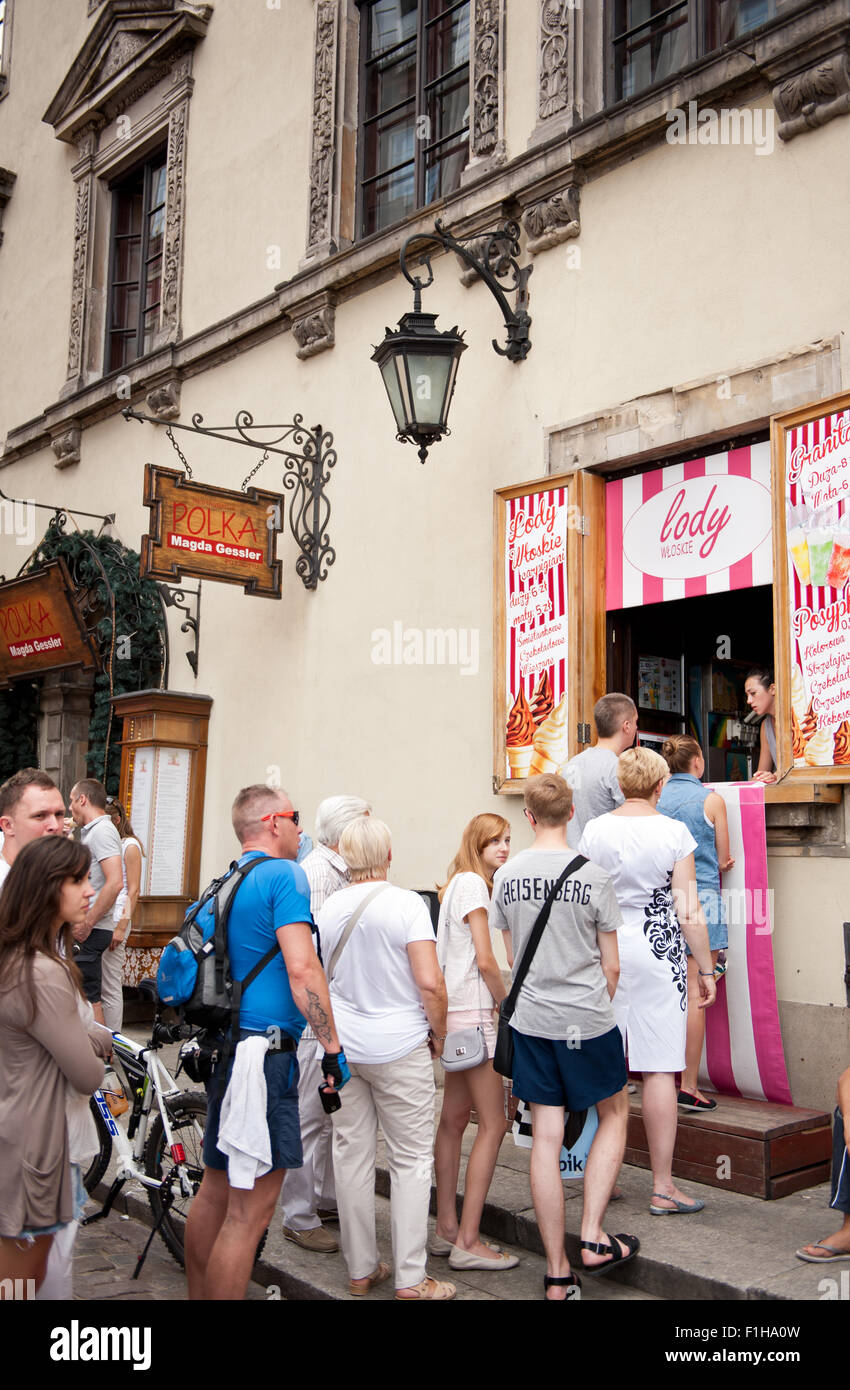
(571, 1280)
(631, 1243)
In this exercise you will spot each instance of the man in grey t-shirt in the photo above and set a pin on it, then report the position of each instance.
(593, 773)
(98, 834)
(568, 1052)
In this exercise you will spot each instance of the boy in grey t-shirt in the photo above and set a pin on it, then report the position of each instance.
(593, 773)
(568, 1053)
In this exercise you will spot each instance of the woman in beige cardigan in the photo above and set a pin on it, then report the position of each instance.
(43, 1044)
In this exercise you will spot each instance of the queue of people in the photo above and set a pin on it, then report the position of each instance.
(612, 922)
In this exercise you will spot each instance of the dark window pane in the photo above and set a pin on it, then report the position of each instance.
(127, 258)
(129, 213)
(651, 42)
(390, 81)
(388, 200)
(389, 23)
(448, 107)
(447, 41)
(151, 326)
(389, 141)
(443, 168)
(122, 350)
(125, 307)
(152, 285)
(157, 194)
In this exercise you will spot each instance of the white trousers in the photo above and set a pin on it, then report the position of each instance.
(112, 986)
(306, 1189)
(400, 1096)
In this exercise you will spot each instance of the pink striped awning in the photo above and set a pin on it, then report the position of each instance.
(702, 527)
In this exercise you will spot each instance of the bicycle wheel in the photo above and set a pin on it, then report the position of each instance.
(187, 1114)
(100, 1162)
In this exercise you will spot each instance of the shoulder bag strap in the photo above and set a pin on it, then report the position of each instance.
(536, 933)
(350, 925)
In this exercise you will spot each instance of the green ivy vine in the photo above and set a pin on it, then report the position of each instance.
(131, 647)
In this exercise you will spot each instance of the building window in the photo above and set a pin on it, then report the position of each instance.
(652, 40)
(414, 126)
(135, 274)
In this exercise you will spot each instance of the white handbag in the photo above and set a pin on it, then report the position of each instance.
(464, 1047)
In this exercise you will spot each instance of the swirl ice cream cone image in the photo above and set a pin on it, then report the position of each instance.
(809, 724)
(542, 701)
(550, 742)
(798, 743)
(841, 746)
(819, 749)
(798, 694)
(519, 736)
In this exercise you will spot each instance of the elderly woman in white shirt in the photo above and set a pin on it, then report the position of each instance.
(389, 1002)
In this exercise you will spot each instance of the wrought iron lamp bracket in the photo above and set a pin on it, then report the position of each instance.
(306, 467)
(172, 597)
(498, 262)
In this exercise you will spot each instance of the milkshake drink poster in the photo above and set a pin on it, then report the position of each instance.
(535, 632)
(817, 529)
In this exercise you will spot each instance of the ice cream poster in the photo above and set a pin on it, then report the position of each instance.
(535, 632)
(817, 496)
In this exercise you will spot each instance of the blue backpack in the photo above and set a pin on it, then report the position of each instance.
(194, 976)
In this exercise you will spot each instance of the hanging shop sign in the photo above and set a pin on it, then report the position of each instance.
(41, 627)
(812, 601)
(211, 532)
(702, 527)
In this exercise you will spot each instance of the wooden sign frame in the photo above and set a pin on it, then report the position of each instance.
(49, 585)
(780, 427)
(584, 497)
(256, 508)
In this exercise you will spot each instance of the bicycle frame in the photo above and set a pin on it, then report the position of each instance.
(140, 1064)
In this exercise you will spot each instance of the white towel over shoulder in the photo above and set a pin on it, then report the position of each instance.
(244, 1132)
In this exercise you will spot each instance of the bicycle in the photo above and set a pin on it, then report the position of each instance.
(163, 1147)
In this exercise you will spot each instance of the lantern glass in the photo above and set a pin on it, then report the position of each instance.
(429, 374)
(389, 371)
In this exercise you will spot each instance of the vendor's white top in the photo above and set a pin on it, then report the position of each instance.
(455, 947)
(121, 900)
(376, 1003)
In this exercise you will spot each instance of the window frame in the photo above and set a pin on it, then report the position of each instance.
(6, 10)
(420, 149)
(158, 159)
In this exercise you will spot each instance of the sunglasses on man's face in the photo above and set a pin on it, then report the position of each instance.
(284, 815)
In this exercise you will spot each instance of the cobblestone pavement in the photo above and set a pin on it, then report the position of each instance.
(105, 1257)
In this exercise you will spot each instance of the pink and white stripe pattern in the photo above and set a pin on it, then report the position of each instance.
(743, 1053)
(629, 587)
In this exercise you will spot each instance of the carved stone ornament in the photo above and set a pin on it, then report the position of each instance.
(553, 95)
(477, 246)
(164, 400)
(130, 48)
(813, 97)
(78, 276)
(553, 220)
(484, 135)
(313, 326)
(66, 446)
(172, 261)
(322, 148)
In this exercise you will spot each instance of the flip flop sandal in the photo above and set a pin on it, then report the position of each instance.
(571, 1281)
(678, 1208)
(631, 1243)
(834, 1254)
(359, 1287)
(430, 1289)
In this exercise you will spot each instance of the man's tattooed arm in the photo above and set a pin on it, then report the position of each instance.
(318, 1019)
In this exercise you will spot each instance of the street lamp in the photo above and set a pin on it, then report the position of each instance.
(419, 364)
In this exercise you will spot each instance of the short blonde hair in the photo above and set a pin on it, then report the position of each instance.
(549, 798)
(639, 771)
(365, 846)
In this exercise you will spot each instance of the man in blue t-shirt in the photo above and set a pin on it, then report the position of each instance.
(272, 904)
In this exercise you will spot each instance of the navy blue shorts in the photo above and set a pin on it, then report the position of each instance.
(281, 1073)
(840, 1196)
(553, 1072)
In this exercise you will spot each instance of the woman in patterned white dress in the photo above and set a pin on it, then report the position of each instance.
(475, 988)
(650, 858)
